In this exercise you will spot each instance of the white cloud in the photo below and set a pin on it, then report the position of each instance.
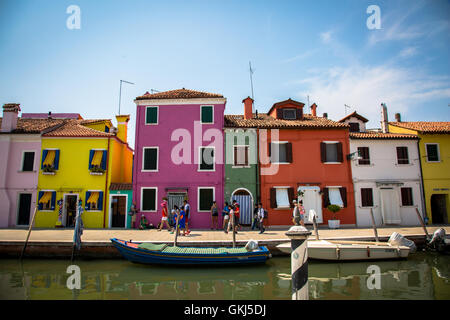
(408, 52)
(326, 36)
(364, 88)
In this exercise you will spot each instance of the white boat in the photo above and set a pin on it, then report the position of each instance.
(350, 250)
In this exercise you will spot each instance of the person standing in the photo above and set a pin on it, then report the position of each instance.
(187, 214)
(302, 211)
(295, 214)
(255, 217)
(133, 214)
(261, 218)
(232, 218)
(237, 214)
(165, 216)
(214, 216)
(225, 216)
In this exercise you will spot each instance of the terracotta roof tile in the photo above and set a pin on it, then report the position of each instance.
(424, 126)
(356, 115)
(267, 122)
(179, 94)
(75, 128)
(381, 135)
(120, 186)
(35, 125)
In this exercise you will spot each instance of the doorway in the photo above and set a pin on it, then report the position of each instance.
(245, 200)
(118, 211)
(312, 200)
(70, 209)
(23, 218)
(390, 206)
(439, 208)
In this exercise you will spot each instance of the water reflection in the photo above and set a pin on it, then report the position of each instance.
(422, 276)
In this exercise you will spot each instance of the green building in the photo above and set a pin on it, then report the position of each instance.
(121, 197)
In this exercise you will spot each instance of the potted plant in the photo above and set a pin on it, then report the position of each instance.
(334, 223)
(48, 170)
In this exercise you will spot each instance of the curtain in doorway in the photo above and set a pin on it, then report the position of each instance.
(390, 206)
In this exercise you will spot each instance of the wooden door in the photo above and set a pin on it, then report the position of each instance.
(119, 209)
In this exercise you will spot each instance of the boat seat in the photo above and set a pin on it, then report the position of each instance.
(152, 246)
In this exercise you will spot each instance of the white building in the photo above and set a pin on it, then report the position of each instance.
(386, 174)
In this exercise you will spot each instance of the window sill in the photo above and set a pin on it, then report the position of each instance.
(149, 170)
(403, 164)
(206, 170)
(433, 161)
(29, 171)
(332, 163)
(281, 162)
(365, 165)
(151, 124)
(48, 173)
(282, 208)
(238, 167)
(96, 173)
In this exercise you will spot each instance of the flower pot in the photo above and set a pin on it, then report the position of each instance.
(333, 224)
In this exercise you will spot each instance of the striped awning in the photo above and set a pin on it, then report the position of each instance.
(97, 158)
(50, 158)
(93, 197)
(47, 196)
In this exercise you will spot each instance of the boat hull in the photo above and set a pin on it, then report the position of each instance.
(350, 251)
(139, 255)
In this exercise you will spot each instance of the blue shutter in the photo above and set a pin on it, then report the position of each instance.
(44, 154)
(91, 155)
(87, 205)
(100, 201)
(41, 194)
(56, 162)
(104, 158)
(53, 200)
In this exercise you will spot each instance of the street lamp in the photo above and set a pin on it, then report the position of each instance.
(120, 92)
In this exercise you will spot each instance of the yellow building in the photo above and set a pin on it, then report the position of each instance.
(434, 148)
(79, 161)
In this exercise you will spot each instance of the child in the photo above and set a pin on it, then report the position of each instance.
(164, 218)
(181, 220)
(226, 217)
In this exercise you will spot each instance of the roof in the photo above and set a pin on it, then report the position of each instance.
(179, 94)
(75, 128)
(53, 115)
(381, 135)
(265, 121)
(34, 126)
(120, 186)
(356, 115)
(288, 101)
(424, 126)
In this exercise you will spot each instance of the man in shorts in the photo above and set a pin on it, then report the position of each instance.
(165, 216)
(187, 215)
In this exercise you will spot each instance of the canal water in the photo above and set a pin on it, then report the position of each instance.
(421, 276)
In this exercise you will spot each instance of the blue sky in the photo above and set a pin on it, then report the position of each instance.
(297, 48)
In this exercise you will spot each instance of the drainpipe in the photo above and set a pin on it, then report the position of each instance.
(422, 191)
(106, 185)
(258, 191)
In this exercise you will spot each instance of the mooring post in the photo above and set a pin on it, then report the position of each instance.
(299, 262)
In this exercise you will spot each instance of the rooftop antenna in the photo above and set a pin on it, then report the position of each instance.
(307, 98)
(345, 107)
(153, 90)
(120, 92)
(251, 79)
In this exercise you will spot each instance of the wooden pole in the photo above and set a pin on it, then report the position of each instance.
(316, 230)
(234, 231)
(422, 223)
(29, 232)
(176, 230)
(374, 225)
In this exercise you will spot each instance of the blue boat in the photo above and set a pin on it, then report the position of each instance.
(150, 253)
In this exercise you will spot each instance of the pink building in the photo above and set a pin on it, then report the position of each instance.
(178, 153)
(20, 150)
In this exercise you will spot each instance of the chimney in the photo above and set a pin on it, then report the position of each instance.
(122, 126)
(49, 115)
(397, 117)
(325, 115)
(10, 115)
(314, 110)
(384, 119)
(248, 108)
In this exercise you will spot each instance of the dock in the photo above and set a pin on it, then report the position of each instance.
(96, 244)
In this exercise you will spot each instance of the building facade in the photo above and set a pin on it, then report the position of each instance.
(179, 153)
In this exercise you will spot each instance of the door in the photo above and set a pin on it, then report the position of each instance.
(70, 207)
(312, 200)
(175, 199)
(245, 206)
(118, 208)
(439, 208)
(23, 218)
(390, 206)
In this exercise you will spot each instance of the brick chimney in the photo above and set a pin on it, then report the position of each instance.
(10, 115)
(122, 127)
(398, 117)
(248, 108)
(384, 119)
(325, 115)
(314, 110)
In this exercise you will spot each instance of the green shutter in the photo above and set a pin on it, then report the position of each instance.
(206, 199)
(151, 115)
(207, 114)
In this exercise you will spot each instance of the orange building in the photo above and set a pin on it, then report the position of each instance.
(308, 162)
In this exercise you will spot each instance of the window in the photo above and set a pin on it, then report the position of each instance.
(407, 199)
(289, 114)
(150, 159)
(94, 201)
(354, 126)
(335, 195)
(148, 199)
(207, 114)
(207, 160)
(284, 152)
(366, 197)
(281, 197)
(240, 155)
(151, 115)
(402, 155)
(432, 150)
(97, 160)
(331, 152)
(47, 200)
(28, 161)
(363, 152)
(50, 159)
(205, 198)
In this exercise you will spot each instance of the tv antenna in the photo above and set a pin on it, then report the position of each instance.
(251, 79)
(120, 92)
(345, 107)
(153, 90)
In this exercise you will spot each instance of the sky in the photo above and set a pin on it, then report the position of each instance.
(323, 50)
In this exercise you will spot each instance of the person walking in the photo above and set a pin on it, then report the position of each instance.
(187, 214)
(295, 214)
(214, 216)
(302, 211)
(232, 219)
(225, 216)
(255, 217)
(237, 215)
(164, 216)
(133, 214)
(261, 218)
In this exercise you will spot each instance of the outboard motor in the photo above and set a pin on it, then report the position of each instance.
(396, 239)
(251, 245)
(437, 241)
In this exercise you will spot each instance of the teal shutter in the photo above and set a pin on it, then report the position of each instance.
(91, 155)
(44, 154)
(53, 200)
(104, 158)
(207, 114)
(87, 205)
(56, 162)
(41, 194)
(151, 115)
(100, 201)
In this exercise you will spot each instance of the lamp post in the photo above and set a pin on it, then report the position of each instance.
(120, 91)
